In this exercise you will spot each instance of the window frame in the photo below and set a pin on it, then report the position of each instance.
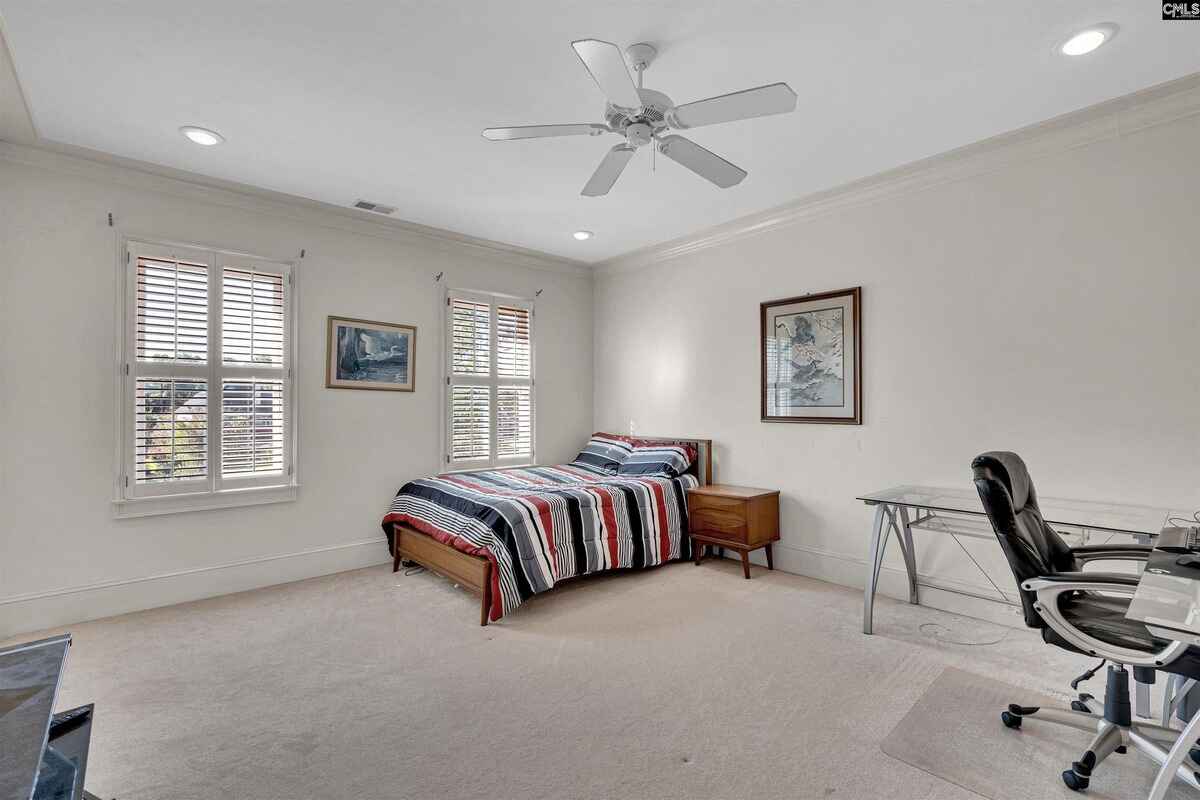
(213, 490)
(491, 380)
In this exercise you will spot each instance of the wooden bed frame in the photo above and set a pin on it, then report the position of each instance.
(475, 572)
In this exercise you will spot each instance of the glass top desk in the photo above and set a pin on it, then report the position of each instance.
(1167, 599)
(959, 512)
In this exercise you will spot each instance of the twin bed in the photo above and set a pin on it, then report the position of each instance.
(508, 534)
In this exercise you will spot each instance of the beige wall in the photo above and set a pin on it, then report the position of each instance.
(1051, 307)
(62, 556)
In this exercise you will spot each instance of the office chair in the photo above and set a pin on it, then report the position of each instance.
(1076, 610)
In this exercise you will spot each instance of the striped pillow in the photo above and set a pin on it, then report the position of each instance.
(604, 452)
(658, 459)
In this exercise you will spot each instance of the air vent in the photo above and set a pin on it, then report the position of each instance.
(367, 205)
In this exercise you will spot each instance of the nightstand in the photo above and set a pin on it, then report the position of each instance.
(740, 518)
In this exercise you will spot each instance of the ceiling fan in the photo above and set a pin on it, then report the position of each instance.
(643, 116)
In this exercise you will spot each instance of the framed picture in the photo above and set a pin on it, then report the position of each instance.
(812, 358)
(363, 354)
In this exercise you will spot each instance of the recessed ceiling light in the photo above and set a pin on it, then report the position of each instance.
(1086, 41)
(202, 136)
(582, 236)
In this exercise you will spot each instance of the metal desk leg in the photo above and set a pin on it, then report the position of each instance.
(874, 562)
(910, 555)
(1175, 758)
(1141, 700)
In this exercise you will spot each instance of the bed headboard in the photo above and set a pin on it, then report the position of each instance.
(702, 466)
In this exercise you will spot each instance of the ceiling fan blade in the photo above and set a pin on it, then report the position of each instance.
(606, 64)
(705, 163)
(776, 98)
(609, 170)
(538, 131)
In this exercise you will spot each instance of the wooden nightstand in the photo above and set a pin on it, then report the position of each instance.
(738, 517)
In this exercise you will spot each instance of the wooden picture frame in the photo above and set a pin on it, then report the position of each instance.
(383, 356)
(811, 358)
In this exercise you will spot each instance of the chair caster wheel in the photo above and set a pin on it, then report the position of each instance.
(1079, 705)
(1010, 720)
(1076, 783)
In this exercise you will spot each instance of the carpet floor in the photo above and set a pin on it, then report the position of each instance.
(679, 682)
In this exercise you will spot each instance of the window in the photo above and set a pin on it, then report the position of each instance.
(206, 380)
(489, 381)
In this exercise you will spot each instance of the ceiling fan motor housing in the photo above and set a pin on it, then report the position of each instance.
(640, 125)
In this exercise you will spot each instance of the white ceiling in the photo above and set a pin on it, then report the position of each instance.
(385, 99)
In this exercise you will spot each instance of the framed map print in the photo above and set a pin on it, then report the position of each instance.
(812, 358)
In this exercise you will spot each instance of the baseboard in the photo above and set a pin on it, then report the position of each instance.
(848, 570)
(55, 608)
(58, 607)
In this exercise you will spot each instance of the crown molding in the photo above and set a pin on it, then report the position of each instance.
(1105, 121)
(143, 176)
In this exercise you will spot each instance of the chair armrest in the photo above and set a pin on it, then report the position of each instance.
(1048, 589)
(1113, 579)
(1111, 552)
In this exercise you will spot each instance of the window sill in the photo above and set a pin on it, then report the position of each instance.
(180, 503)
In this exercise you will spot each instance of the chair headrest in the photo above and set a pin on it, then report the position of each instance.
(1011, 471)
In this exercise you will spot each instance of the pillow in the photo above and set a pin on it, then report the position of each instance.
(652, 458)
(604, 452)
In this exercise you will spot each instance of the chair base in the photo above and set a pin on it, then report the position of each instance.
(1109, 736)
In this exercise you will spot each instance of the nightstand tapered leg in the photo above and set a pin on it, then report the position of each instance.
(697, 551)
(746, 564)
(770, 557)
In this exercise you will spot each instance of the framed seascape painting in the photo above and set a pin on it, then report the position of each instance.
(812, 358)
(362, 354)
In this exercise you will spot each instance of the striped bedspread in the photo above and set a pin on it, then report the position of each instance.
(540, 525)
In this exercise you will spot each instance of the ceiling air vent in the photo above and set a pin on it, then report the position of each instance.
(378, 208)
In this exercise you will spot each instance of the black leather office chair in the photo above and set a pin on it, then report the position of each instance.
(1077, 611)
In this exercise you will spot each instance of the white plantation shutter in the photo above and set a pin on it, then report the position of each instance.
(470, 423)
(254, 381)
(251, 317)
(514, 421)
(172, 310)
(170, 429)
(513, 346)
(208, 364)
(489, 416)
(252, 429)
(470, 335)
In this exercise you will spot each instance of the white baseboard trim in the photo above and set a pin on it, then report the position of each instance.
(847, 570)
(57, 607)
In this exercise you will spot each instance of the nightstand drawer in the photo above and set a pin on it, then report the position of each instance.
(698, 501)
(726, 524)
